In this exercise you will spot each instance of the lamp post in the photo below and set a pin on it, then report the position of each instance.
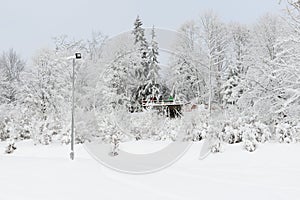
(77, 56)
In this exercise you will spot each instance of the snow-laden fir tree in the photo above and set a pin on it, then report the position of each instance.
(239, 61)
(119, 81)
(230, 90)
(152, 87)
(141, 65)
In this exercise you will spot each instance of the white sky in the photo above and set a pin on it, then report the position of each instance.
(27, 25)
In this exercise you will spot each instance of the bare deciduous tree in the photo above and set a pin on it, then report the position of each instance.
(11, 65)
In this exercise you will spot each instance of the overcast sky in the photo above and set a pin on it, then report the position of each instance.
(27, 25)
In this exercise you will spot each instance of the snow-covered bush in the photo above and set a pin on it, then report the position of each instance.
(11, 147)
(169, 130)
(197, 132)
(263, 132)
(231, 131)
(284, 133)
(234, 129)
(65, 139)
(249, 137)
(245, 129)
(109, 131)
(14, 124)
(295, 130)
(231, 134)
(194, 129)
(45, 139)
(114, 139)
(215, 134)
(196, 124)
(112, 136)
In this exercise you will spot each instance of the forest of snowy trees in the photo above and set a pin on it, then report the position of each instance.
(244, 79)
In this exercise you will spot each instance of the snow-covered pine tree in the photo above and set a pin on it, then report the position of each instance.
(152, 88)
(230, 89)
(141, 65)
(238, 65)
(119, 83)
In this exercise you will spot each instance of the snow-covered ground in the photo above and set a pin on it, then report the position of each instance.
(46, 172)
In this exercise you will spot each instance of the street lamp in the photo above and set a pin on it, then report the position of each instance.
(77, 56)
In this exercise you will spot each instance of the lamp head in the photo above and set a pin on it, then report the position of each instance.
(78, 55)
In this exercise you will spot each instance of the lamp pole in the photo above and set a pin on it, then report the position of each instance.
(72, 155)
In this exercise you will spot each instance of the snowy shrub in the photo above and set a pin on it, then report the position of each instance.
(231, 134)
(235, 128)
(295, 130)
(14, 124)
(196, 125)
(263, 132)
(65, 139)
(115, 143)
(195, 131)
(214, 133)
(169, 130)
(216, 146)
(114, 139)
(45, 139)
(249, 137)
(249, 145)
(106, 128)
(83, 131)
(283, 132)
(11, 147)
(86, 126)
(110, 132)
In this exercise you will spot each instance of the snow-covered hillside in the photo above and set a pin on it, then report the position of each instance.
(46, 172)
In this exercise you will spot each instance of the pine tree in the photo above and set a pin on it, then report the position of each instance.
(239, 63)
(141, 65)
(142, 49)
(231, 90)
(119, 81)
(152, 88)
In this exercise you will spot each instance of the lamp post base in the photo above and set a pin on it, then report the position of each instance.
(72, 155)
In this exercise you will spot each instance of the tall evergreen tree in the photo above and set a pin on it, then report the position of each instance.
(142, 47)
(141, 66)
(232, 88)
(152, 88)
